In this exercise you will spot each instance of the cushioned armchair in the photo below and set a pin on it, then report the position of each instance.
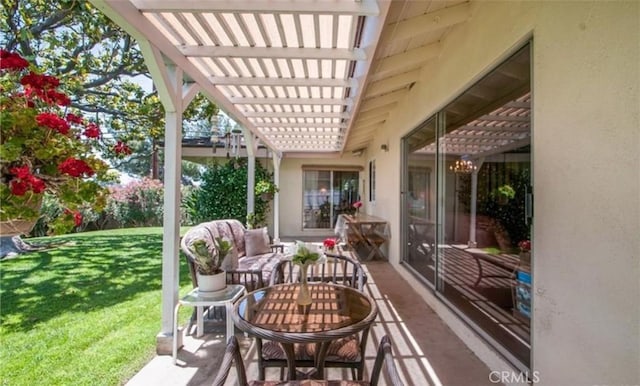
(251, 260)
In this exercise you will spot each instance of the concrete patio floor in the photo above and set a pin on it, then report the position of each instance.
(426, 350)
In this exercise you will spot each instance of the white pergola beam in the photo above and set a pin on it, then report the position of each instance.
(265, 125)
(284, 82)
(505, 118)
(291, 101)
(273, 52)
(278, 136)
(126, 15)
(327, 7)
(252, 114)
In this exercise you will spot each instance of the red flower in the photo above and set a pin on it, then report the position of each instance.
(357, 204)
(92, 131)
(19, 187)
(525, 245)
(329, 243)
(37, 185)
(77, 218)
(72, 118)
(53, 122)
(54, 97)
(12, 61)
(75, 168)
(39, 81)
(122, 148)
(20, 171)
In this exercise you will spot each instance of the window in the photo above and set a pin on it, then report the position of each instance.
(372, 180)
(326, 194)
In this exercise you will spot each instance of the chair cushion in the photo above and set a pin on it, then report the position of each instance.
(256, 242)
(310, 382)
(273, 350)
(265, 263)
(340, 350)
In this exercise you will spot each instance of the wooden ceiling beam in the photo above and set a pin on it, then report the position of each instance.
(406, 60)
(392, 83)
(383, 100)
(428, 22)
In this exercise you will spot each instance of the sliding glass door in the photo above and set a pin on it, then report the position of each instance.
(467, 205)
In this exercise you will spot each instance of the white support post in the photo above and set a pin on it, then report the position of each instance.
(171, 221)
(472, 219)
(251, 144)
(474, 203)
(276, 198)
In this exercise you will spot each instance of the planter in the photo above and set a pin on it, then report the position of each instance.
(266, 196)
(211, 283)
(16, 227)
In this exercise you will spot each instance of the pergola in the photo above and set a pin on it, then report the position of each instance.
(305, 78)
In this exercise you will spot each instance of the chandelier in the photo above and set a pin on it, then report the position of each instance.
(463, 166)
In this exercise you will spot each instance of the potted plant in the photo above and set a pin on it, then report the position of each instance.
(46, 147)
(266, 189)
(306, 254)
(211, 277)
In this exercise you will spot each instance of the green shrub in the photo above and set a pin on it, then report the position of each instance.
(223, 194)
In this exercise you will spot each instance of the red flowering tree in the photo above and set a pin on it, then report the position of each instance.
(47, 149)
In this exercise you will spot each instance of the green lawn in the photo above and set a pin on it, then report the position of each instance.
(86, 312)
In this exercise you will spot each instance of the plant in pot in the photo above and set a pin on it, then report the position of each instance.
(266, 189)
(47, 147)
(306, 254)
(211, 277)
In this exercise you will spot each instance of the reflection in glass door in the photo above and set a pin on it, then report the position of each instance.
(419, 202)
(467, 209)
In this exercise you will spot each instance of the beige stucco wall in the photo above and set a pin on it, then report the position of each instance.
(586, 163)
(290, 195)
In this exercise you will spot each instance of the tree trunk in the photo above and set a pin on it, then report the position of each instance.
(11, 246)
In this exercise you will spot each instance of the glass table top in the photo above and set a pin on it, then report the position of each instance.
(333, 306)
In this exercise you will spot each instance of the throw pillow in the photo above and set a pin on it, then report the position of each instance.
(256, 242)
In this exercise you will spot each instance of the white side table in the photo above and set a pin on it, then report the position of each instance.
(224, 298)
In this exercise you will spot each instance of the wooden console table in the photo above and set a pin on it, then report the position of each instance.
(364, 231)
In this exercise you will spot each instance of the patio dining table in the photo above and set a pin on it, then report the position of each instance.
(336, 312)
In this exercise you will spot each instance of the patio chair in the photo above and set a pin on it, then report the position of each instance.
(384, 359)
(344, 353)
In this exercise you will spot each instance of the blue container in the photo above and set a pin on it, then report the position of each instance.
(523, 293)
